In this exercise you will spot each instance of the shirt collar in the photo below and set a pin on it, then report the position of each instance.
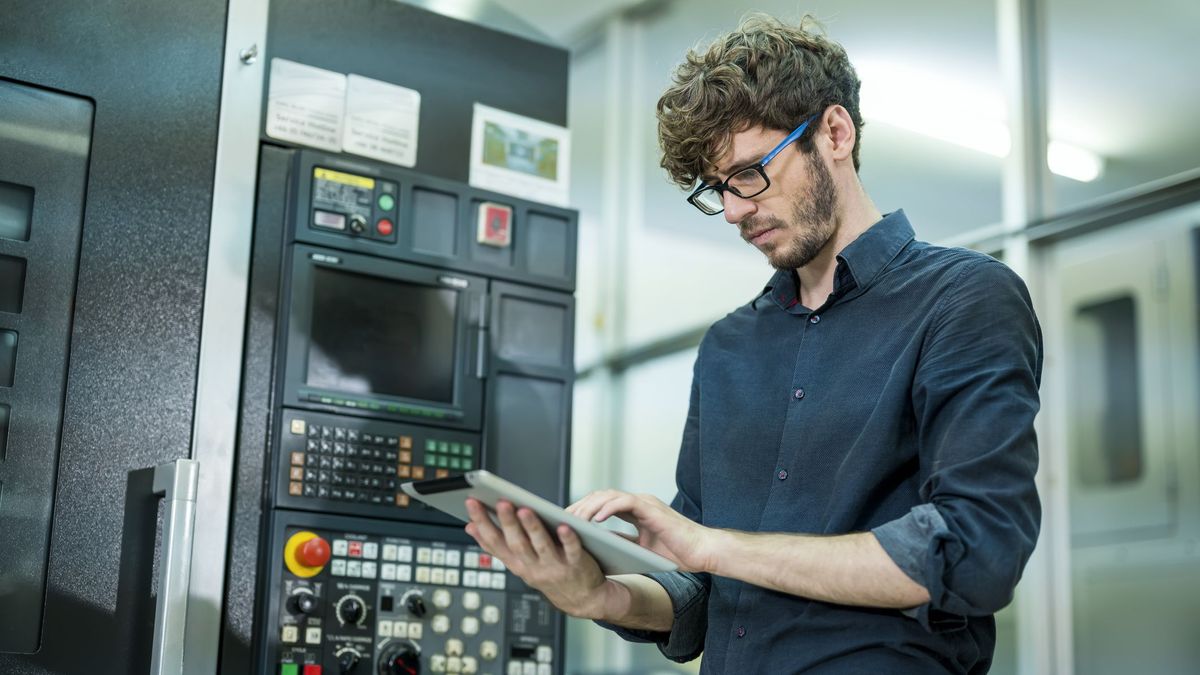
(859, 263)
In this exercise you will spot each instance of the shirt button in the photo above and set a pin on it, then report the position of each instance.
(798, 394)
(815, 318)
(782, 474)
(741, 631)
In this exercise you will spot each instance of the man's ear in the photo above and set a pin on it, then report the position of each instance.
(838, 129)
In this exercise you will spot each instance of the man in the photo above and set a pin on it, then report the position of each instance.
(856, 478)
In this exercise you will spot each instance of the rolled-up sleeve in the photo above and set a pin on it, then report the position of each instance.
(689, 599)
(975, 397)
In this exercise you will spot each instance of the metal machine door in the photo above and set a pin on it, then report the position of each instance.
(108, 125)
(1113, 318)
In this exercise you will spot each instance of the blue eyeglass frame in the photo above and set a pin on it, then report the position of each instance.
(759, 167)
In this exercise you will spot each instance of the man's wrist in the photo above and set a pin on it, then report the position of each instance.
(614, 601)
(720, 544)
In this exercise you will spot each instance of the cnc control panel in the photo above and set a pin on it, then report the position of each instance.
(422, 600)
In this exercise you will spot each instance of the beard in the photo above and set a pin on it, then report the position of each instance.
(812, 225)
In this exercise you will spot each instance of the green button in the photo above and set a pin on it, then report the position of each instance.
(468, 450)
(386, 202)
(456, 448)
(430, 460)
(431, 446)
(444, 462)
(444, 447)
(454, 463)
(466, 464)
(289, 669)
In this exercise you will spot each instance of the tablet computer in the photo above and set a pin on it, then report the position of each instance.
(614, 553)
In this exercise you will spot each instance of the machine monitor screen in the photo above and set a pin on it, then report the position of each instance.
(374, 335)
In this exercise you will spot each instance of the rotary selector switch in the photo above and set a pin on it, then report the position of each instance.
(351, 610)
(358, 224)
(400, 658)
(302, 601)
(414, 602)
(348, 659)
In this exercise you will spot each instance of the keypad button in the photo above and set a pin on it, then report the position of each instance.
(290, 634)
(314, 431)
(352, 435)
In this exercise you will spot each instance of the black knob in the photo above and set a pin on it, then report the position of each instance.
(358, 224)
(416, 605)
(302, 602)
(400, 658)
(351, 610)
(348, 660)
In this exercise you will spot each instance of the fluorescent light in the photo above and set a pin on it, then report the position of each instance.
(1073, 162)
(920, 101)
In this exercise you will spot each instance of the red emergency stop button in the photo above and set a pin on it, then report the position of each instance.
(384, 227)
(312, 669)
(305, 554)
(313, 553)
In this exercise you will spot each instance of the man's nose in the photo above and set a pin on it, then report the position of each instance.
(737, 208)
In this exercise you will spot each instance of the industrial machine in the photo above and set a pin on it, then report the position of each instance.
(376, 322)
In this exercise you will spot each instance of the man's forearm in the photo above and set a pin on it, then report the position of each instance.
(851, 569)
(638, 602)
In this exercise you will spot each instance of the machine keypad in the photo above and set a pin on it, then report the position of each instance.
(342, 463)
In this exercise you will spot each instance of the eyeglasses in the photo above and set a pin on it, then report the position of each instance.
(745, 183)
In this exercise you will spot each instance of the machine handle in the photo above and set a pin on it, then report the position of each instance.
(177, 482)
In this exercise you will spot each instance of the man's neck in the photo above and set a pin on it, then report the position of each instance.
(856, 216)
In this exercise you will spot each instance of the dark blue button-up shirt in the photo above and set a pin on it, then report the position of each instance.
(903, 406)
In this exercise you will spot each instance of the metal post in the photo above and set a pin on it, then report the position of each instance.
(1043, 598)
(225, 295)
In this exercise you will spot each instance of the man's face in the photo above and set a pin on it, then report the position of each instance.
(794, 219)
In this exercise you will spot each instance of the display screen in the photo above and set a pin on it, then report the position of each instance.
(372, 335)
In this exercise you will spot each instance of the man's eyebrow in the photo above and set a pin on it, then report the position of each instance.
(741, 163)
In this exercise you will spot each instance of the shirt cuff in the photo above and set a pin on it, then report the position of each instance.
(910, 541)
(689, 601)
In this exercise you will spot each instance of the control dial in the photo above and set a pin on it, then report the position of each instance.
(400, 658)
(414, 601)
(351, 610)
(302, 601)
(348, 659)
(358, 224)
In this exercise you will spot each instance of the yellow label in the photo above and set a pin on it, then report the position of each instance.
(345, 178)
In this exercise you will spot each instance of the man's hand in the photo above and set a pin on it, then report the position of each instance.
(561, 569)
(660, 528)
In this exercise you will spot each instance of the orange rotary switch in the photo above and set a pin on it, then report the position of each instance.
(305, 554)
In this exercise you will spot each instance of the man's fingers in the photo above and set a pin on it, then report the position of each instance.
(514, 533)
(618, 506)
(572, 548)
(542, 543)
(484, 531)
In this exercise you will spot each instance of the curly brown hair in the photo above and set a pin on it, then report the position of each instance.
(764, 73)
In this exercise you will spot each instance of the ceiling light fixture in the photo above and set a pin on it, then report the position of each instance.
(957, 114)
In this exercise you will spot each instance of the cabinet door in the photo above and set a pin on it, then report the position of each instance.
(1113, 324)
(121, 157)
